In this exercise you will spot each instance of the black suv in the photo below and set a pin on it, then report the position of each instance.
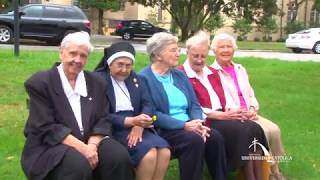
(44, 22)
(129, 29)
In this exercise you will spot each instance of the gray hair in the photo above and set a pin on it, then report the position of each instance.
(78, 38)
(200, 37)
(223, 36)
(158, 41)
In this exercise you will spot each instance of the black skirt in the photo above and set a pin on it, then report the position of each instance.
(238, 136)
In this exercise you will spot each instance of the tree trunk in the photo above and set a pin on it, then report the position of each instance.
(184, 34)
(305, 13)
(100, 21)
(281, 20)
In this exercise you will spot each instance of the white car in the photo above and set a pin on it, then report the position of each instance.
(306, 39)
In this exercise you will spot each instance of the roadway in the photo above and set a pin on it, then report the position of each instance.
(101, 42)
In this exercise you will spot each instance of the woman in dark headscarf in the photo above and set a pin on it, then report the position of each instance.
(132, 112)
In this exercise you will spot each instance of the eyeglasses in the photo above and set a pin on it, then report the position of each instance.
(121, 65)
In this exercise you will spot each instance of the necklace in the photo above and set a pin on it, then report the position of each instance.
(123, 91)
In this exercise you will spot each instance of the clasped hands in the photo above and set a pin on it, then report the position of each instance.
(197, 126)
(138, 124)
(89, 150)
(241, 114)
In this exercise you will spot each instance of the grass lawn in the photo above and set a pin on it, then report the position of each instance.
(243, 45)
(252, 45)
(288, 94)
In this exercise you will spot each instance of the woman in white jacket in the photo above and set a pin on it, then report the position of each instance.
(236, 83)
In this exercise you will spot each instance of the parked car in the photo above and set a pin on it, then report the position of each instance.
(129, 29)
(308, 39)
(44, 22)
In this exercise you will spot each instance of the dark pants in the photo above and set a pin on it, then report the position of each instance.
(114, 163)
(190, 150)
(215, 156)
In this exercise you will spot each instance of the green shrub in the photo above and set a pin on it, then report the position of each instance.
(294, 27)
(281, 40)
(256, 39)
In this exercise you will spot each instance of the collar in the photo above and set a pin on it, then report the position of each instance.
(80, 88)
(217, 66)
(192, 74)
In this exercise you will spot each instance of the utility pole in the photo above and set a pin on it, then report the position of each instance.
(16, 27)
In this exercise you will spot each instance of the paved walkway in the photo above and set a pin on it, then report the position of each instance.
(261, 54)
(103, 41)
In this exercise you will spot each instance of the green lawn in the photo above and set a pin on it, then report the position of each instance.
(288, 94)
(243, 45)
(252, 45)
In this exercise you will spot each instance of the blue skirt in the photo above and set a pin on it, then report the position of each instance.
(149, 140)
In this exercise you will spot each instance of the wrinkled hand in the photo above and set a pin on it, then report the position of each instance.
(135, 136)
(90, 152)
(143, 120)
(235, 114)
(251, 114)
(198, 127)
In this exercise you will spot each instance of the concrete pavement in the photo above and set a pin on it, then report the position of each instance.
(285, 56)
(101, 42)
(139, 44)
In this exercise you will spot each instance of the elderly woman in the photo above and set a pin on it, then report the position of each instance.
(131, 113)
(238, 134)
(235, 81)
(179, 116)
(68, 132)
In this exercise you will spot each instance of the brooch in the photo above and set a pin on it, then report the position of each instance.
(135, 81)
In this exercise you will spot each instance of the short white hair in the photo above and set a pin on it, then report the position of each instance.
(223, 36)
(159, 41)
(201, 37)
(79, 38)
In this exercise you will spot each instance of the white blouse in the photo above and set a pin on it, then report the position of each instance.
(74, 95)
(122, 96)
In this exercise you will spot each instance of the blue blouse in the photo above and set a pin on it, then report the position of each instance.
(178, 103)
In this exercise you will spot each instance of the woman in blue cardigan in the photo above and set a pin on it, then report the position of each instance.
(179, 116)
(131, 112)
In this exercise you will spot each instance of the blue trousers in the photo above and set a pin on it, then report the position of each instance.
(191, 150)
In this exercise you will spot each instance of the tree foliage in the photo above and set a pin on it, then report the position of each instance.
(242, 27)
(316, 5)
(4, 4)
(190, 15)
(213, 23)
(267, 26)
(101, 6)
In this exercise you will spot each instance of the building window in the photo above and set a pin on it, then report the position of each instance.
(291, 11)
(314, 17)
